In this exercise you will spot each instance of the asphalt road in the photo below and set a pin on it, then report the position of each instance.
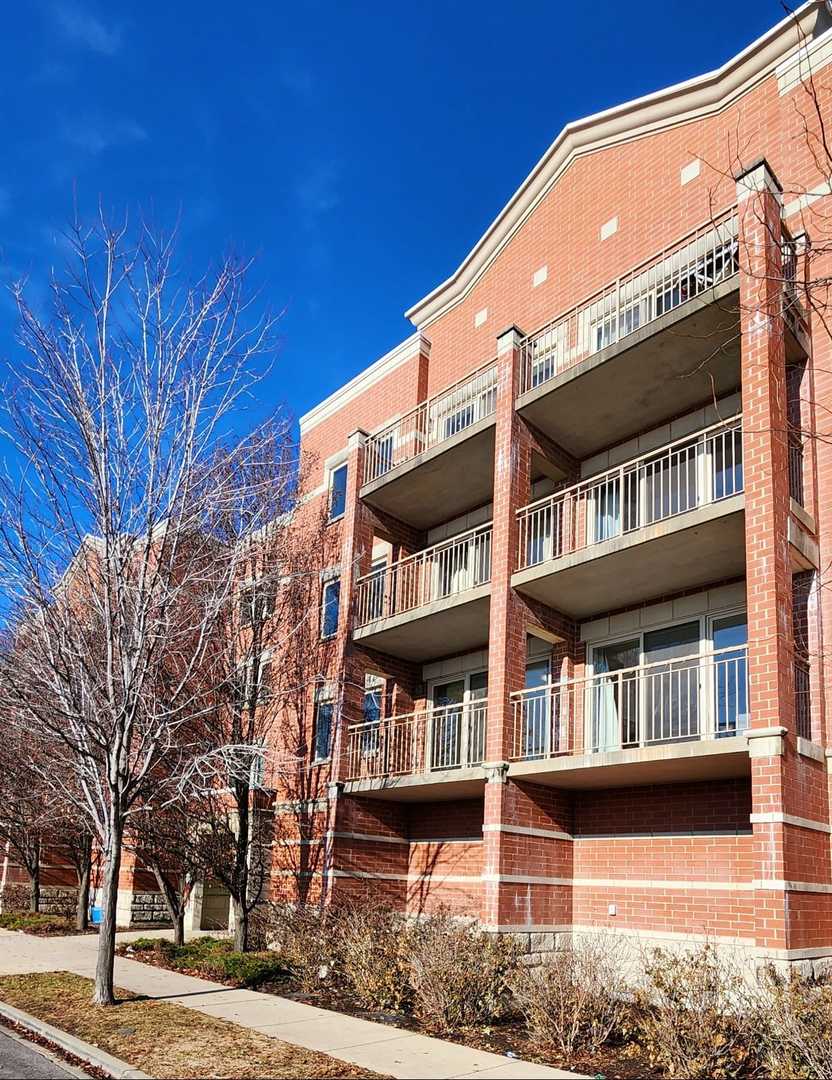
(23, 1061)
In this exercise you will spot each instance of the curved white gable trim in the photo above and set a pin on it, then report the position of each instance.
(364, 380)
(679, 104)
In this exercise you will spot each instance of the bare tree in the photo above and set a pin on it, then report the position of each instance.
(116, 405)
(165, 841)
(266, 650)
(26, 811)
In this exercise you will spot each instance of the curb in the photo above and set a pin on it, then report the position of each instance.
(77, 1047)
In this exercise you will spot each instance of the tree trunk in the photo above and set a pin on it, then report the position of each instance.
(240, 926)
(82, 909)
(34, 897)
(175, 904)
(103, 992)
(179, 928)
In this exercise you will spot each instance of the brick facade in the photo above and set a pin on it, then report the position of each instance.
(659, 803)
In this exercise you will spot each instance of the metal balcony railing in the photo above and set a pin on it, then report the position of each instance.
(446, 569)
(701, 259)
(433, 740)
(432, 422)
(677, 700)
(675, 479)
(802, 698)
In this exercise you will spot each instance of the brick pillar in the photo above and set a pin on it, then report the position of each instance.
(126, 888)
(527, 856)
(785, 786)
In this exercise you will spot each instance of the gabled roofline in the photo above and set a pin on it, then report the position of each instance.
(336, 401)
(678, 104)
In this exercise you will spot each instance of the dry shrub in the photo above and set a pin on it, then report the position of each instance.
(460, 976)
(576, 1000)
(795, 1012)
(16, 897)
(307, 940)
(694, 1017)
(373, 947)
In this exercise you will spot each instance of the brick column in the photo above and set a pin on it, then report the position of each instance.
(526, 828)
(785, 786)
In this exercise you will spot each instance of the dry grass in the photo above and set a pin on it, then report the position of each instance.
(163, 1040)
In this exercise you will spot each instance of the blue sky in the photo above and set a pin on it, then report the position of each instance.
(357, 149)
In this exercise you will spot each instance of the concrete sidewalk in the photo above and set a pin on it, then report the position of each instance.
(374, 1046)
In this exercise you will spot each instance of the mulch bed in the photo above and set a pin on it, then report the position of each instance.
(509, 1039)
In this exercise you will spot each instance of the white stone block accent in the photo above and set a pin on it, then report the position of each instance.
(539, 276)
(609, 228)
(690, 171)
(480, 317)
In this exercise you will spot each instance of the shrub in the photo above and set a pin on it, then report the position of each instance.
(35, 922)
(16, 898)
(575, 1000)
(307, 940)
(214, 958)
(795, 1012)
(460, 976)
(694, 1017)
(373, 947)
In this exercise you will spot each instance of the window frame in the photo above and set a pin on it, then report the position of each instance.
(324, 698)
(330, 583)
(341, 468)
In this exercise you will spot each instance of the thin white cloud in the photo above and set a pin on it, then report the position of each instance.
(95, 135)
(317, 189)
(86, 30)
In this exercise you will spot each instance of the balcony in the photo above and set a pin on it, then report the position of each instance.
(435, 602)
(434, 753)
(654, 343)
(660, 523)
(437, 461)
(679, 719)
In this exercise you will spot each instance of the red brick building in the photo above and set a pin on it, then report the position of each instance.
(580, 520)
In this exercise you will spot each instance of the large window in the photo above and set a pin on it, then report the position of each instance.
(337, 492)
(322, 725)
(679, 682)
(330, 606)
(371, 712)
(457, 721)
(536, 734)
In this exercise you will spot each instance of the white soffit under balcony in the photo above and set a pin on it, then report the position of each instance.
(693, 99)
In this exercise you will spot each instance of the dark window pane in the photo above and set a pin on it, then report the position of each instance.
(330, 606)
(338, 493)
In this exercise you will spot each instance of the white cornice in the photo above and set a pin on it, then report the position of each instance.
(336, 401)
(679, 104)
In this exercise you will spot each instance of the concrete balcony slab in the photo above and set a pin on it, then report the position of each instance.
(672, 762)
(670, 366)
(691, 549)
(434, 786)
(453, 624)
(449, 479)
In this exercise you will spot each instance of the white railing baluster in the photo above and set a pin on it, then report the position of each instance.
(432, 422)
(430, 740)
(669, 482)
(446, 569)
(699, 260)
(703, 696)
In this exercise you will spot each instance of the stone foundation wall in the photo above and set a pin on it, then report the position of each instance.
(58, 900)
(147, 908)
